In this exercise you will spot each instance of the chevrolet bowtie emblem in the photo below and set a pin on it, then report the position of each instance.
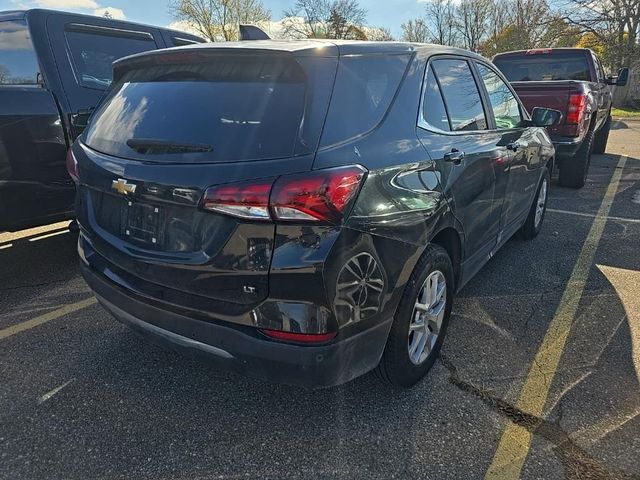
(122, 187)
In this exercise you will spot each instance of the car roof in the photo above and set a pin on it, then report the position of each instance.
(21, 14)
(314, 47)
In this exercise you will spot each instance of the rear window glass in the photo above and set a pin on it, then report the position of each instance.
(227, 109)
(365, 86)
(461, 95)
(544, 67)
(93, 54)
(18, 62)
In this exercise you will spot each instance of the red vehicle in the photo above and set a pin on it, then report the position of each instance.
(572, 81)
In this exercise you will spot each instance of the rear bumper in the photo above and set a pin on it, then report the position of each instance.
(566, 147)
(243, 349)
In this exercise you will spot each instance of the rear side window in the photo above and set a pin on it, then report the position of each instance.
(433, 109)
(18, 61)
(506, 109)
(364, 88)
(537, 67)
(93, 51)
(461, 94)
(226, 108)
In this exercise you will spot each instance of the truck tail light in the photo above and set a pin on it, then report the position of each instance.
(72, 167)
(318, 196)
(538, 51)
(576, 108)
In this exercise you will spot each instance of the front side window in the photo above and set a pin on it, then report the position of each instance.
(461, 95)
(503, 103)
(93, 54)
(18, 60)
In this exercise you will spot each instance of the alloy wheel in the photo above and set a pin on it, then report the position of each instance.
(426, 319)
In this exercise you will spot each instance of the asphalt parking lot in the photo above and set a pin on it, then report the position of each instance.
(539, 376)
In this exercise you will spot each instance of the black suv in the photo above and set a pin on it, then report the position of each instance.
(54, 69)
(304, 211)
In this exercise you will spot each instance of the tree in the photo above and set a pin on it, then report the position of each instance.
(379, 34)
(415, 30)
(340, 19)
(616, 24)
(441, 22)
(473, 18)
(219, 19)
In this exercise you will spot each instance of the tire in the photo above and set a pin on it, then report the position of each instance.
(573, 171)
(533, 223)
(600, 141)
(396, 365)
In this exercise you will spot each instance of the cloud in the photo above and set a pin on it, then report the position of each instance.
(62, 4)
(115, 13)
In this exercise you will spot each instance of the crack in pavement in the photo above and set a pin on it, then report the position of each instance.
(578, 463)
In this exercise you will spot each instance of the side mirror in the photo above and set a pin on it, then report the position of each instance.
(619, 80)
(623, 77)
(545, 117)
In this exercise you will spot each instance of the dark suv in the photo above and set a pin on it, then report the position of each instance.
(304, 211)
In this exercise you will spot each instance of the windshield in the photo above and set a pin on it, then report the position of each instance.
(544, 67)
(227, 109)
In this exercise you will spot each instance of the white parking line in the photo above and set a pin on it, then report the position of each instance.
(591, 215)
(48, 235)
(50, 394)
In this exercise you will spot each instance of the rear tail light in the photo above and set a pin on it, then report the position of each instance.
(72, 167)
(244, 200)
(299, 337)
(323, 195)
(576, 108)
(318, 196)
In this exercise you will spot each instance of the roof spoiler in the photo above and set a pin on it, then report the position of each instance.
(251, 32)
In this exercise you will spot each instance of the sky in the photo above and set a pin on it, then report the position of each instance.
(381, 13)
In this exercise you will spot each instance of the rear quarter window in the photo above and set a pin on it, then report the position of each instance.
(364, 89)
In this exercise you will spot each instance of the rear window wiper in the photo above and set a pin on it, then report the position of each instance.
(150, 146)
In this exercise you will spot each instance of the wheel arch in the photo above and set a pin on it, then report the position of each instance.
(450, 239)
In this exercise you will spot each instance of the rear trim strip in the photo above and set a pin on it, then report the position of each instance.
(161, 332)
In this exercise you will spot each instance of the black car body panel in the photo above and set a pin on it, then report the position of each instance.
(246, 276)
(46, 97)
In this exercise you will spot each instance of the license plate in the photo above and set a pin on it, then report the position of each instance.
(143, 223)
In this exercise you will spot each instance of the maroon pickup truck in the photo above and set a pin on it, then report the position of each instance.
(572, 81)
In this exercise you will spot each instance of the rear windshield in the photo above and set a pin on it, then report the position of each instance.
(544, 67)
(229, 108)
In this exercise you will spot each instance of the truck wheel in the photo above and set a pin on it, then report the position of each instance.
(573, 171)
(600, 141)
(420, 321)
(533, 223)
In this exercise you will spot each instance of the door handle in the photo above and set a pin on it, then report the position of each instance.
(513, 146)
(455, 156)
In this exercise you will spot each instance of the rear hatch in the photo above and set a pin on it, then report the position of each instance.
(176, 123)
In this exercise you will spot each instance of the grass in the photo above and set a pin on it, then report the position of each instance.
(625, 112)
